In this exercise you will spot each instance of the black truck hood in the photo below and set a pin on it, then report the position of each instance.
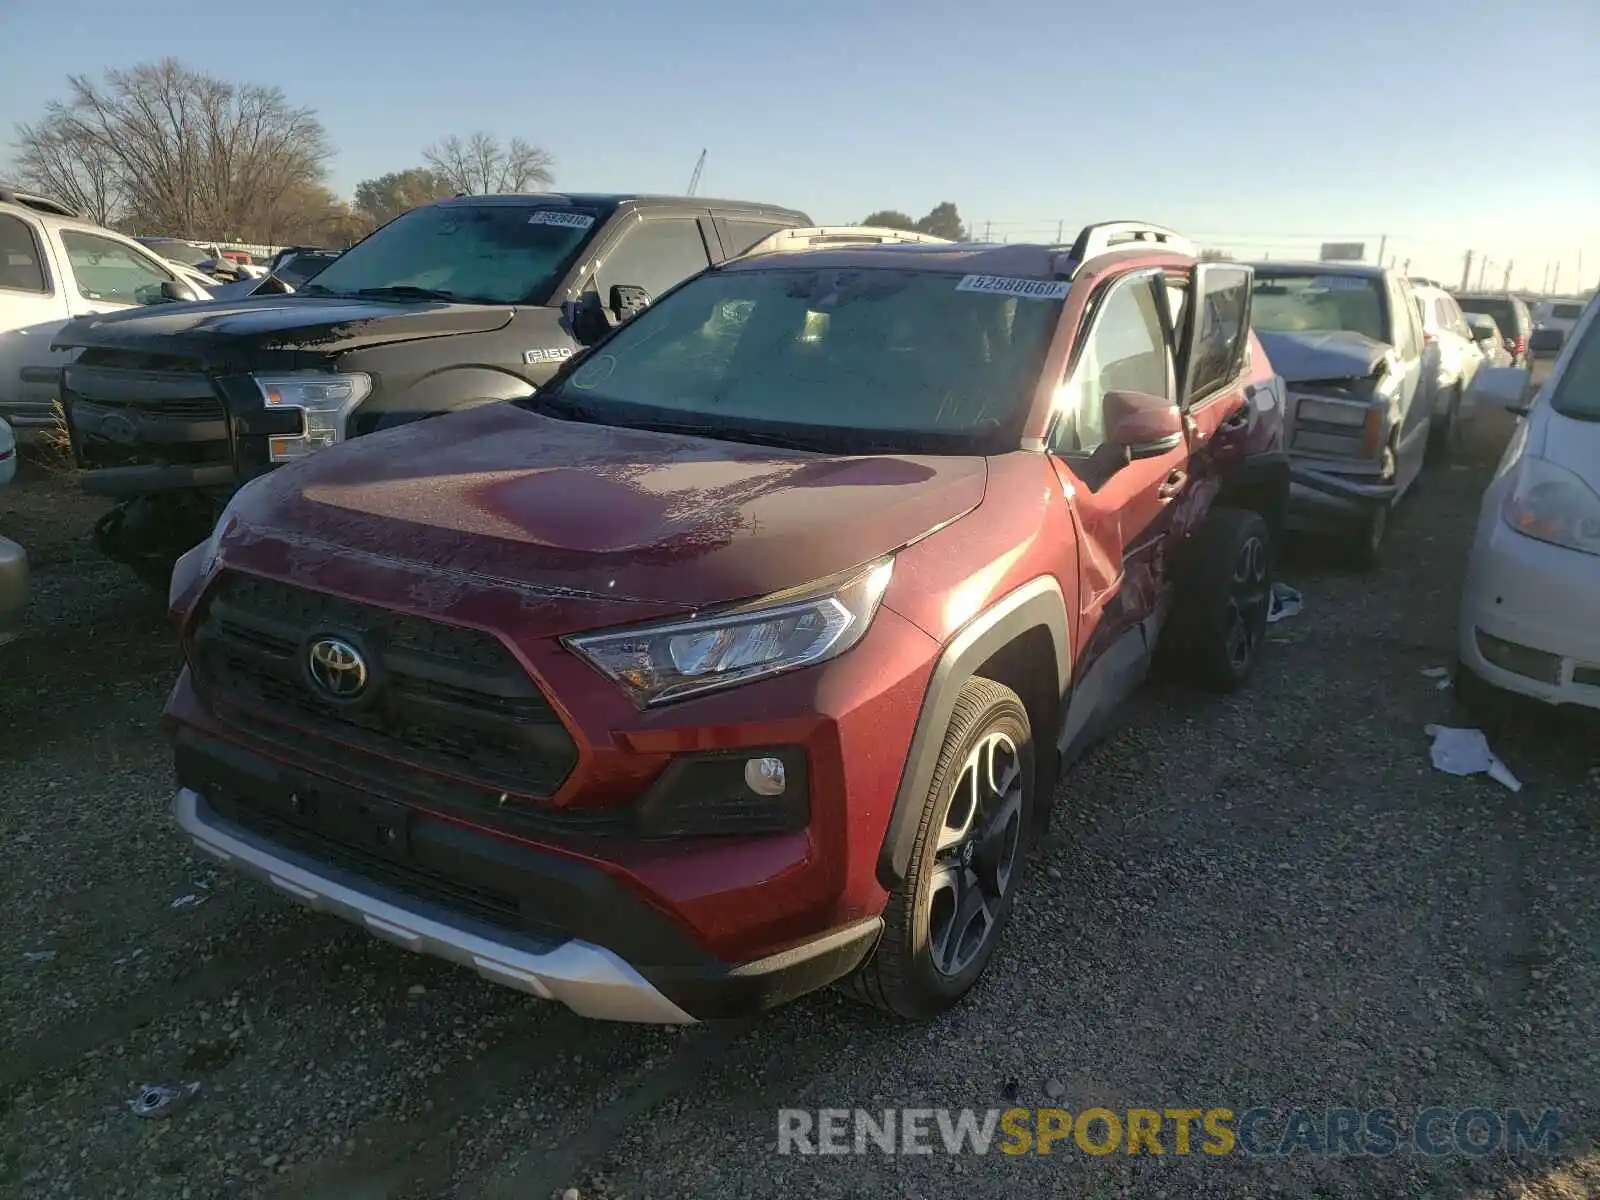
(1307, 357)
(220, 330)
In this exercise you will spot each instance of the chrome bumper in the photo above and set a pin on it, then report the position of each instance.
(588, 979)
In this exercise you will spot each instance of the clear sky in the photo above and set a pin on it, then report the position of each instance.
(1252, 125)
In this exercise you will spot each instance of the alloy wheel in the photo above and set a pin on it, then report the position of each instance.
(976, 855)
(1248, 600)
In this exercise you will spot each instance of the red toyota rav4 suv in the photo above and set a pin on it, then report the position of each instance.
(744, 656)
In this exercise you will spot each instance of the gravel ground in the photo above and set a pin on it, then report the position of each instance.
(1268, 899)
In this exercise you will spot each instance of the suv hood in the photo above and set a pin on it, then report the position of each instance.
(219, 330)
(1304, 357)
(561, 507)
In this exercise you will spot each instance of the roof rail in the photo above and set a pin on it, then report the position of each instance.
(825, 237)
(1095, 240)
(44, 204)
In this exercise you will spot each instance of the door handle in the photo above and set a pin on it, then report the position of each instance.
(1172, 484)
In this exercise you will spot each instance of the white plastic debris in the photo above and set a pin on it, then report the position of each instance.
(38, 956)
(1285, 603)
(189, 900)
(158, 1100)
(1466, 752)
(1441, 675)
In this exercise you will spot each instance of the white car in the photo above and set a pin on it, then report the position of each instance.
(1528, 609)
(13, 559)
(1444, 325)
(55, 266)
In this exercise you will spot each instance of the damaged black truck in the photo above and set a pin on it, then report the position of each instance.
(465, 301)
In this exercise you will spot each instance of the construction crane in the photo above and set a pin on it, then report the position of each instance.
(694, 180)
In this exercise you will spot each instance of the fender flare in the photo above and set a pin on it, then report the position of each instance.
(447, 390)
(1036, 603)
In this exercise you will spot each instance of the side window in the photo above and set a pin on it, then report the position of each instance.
(738, 234)
(655, 255)
(108, 270)
(1125, 350)
(20, 267)
(1406, 307)
(1223, 294)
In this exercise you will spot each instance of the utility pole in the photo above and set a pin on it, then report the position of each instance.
(1466, 272)
(1544, 283)
(1482, 267)
(1383, 243)
(1555, 279)
(986, 225)
(1580, 266)
(1505, 285)
(1406, 266)
(1059, 230)
(694, 180)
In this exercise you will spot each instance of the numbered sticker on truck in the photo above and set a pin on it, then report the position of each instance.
(567, 220)
(1003, 285)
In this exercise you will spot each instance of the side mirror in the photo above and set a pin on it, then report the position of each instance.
(1502, 387)
(627, 301)
(1143, 425)
(587, 321)
(176, 290)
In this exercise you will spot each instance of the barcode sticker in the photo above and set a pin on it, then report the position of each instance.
(567, 220)
(1028, 289)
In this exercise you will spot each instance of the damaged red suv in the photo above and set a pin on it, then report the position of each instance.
(744, 657)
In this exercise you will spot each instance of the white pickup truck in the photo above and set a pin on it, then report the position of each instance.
(54, 266)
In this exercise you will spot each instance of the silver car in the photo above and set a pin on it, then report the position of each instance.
(1363, 382)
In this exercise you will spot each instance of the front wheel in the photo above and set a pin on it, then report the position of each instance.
(1445, 436)
(945, 918)
(1366, 546)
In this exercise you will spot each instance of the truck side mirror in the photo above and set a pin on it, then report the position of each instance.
(174, 291)
(587, 321)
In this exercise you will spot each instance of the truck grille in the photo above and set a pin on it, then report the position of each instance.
(442, 698)
(124, 415)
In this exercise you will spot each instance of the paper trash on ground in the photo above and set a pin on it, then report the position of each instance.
(1285, 603)
(1466, 752)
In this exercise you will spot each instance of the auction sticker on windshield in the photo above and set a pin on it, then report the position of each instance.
(568, 220)
(1028, 289)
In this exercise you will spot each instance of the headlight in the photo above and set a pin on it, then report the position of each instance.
(668, 661)
(324, 402)
(1552, 504)
(1332, 412)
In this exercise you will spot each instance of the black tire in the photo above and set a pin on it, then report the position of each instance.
(1223, 581)
(1366, 541)
(1444, 438)
(901, 976)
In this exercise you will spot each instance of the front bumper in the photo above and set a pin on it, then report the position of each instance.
(1527, 616)
(13, 587)
(1323, 498)
(556, 926)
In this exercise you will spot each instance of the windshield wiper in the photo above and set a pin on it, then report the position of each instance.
(406, 291)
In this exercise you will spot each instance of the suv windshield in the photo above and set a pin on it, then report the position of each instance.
(1577, 392)
(1312, 303)
(844, 360)
(472, 253)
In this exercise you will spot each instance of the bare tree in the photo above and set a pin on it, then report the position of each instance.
(56, 159)
(480, 165)
(182, 153)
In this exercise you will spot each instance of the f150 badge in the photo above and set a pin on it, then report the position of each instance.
(557, 354)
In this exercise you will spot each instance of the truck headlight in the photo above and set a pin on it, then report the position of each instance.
(673, 659)
(1554, 505)
(324, 401)
(1332, 412)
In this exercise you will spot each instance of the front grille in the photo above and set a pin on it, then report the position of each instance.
(195, 408)
(443, 698)
(125, 415)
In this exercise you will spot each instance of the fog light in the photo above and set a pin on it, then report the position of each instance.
(765, 776)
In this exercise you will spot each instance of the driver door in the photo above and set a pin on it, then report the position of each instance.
(1122, 502)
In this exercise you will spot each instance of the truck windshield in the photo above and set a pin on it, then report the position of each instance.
(834, 359)
(1319, 303)
(471, 253)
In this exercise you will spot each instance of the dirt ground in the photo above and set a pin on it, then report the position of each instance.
(1267, 899)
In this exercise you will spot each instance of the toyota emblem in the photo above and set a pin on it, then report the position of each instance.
(336, 668)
